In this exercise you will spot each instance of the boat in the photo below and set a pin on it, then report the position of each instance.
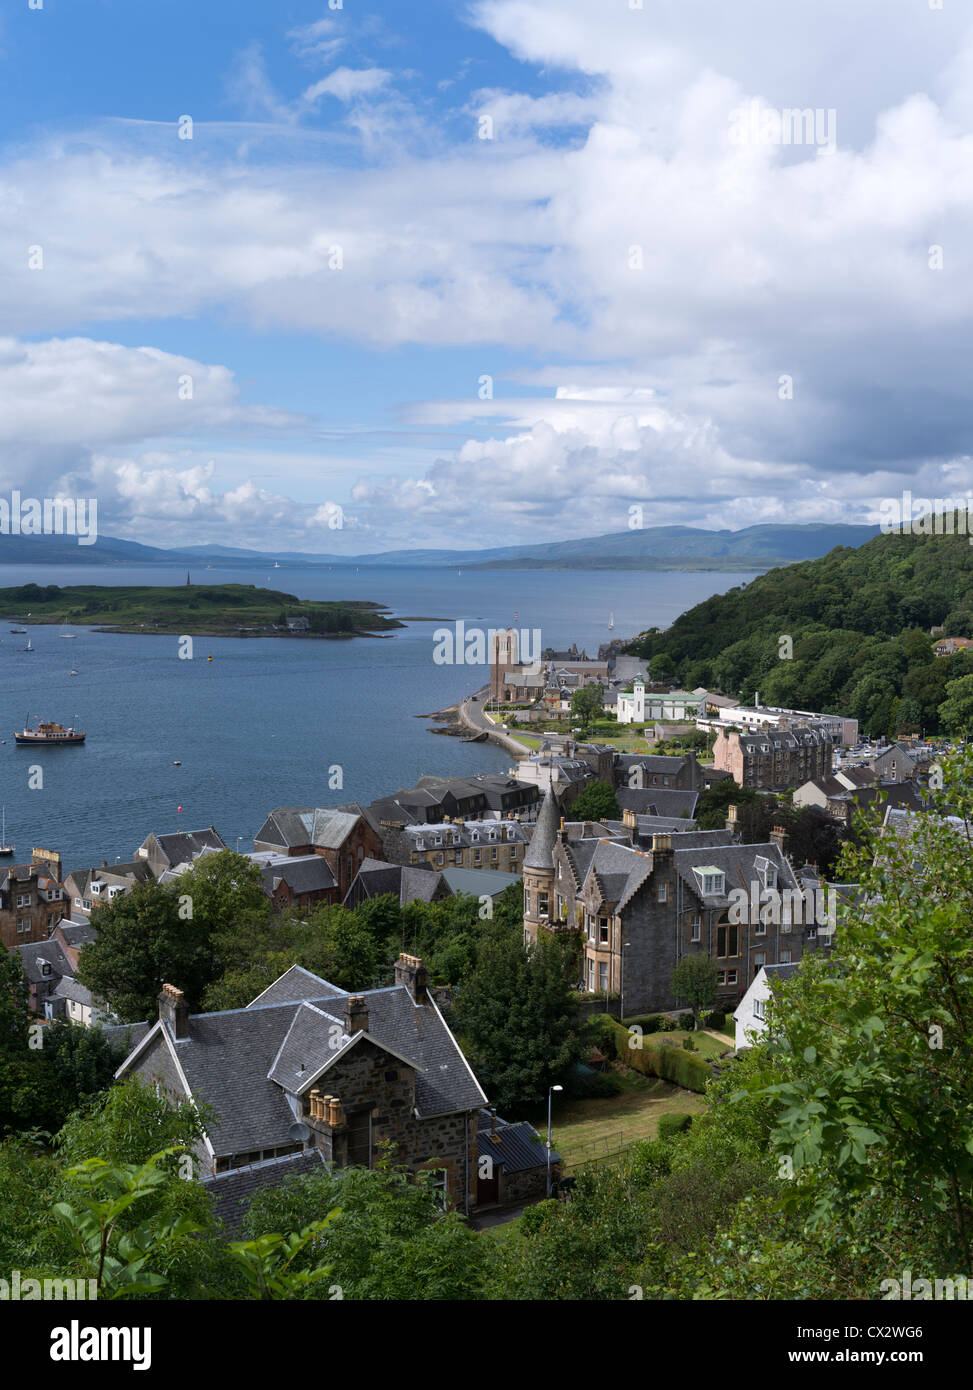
(5, 849)
(49, 734)
(176, 762)
(276, 564)
(18, 629)
(69, 636)
(73, 673)
(611, 621)
(28, 647)
(209, 658)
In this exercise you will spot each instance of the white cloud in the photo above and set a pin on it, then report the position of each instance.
(346, 84)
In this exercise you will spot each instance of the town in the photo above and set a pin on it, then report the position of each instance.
(643, 862)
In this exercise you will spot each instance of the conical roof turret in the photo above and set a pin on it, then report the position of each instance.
(540, 852)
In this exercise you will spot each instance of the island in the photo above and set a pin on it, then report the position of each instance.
(203, 610)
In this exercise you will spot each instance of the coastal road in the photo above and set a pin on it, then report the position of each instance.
(471, 714)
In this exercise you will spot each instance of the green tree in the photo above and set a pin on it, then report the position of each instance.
(518, 1015)
(956, 711)
(596, 802)
(587, 704)
(694, 982)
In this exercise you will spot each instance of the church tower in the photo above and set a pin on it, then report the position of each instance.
(504, 654)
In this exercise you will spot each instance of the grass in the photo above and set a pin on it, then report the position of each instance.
(581, 1125)
(706, 1047)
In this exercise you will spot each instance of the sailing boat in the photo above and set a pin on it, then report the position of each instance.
(276, 564)
(611, 621)
(28, 647)
(5, 849)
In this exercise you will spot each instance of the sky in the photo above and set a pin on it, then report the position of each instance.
(352, 277)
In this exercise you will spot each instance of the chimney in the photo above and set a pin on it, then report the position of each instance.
(779, 836)
(732, 824)
(174, 1011)
(410, 971)
(356, 1015)
(661, 845)
(562, 833)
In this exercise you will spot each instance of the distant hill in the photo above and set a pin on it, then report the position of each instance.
(654, 547)
(848, 633)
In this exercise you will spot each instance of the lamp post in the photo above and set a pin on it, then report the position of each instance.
(550, 1093)
(621, 981)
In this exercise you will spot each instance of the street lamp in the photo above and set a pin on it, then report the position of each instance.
(550, 1092)
(621, 981)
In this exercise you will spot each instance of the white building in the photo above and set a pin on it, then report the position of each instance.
(750, 1016)
(637, 707)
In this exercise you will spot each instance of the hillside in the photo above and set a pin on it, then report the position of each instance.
(648, 548)
(859, 621)
(211, 610)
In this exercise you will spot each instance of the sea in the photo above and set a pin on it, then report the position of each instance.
(175, 744)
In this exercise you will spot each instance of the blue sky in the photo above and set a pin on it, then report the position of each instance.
(524, 335)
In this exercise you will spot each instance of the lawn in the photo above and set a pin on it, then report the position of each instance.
(583, 1128)
(706, 1047)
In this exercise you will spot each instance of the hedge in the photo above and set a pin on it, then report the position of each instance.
(671, 1063)
(675, 1123)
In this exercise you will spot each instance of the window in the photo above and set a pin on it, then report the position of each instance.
(727, 944)
(457, 856)
(759, 961)
(477, 854)
(23, 924)
(602, 976)
(760, 926)
(494, 852)
(513, 853)
(526, 902)
(759, 1009)
(731, 977)
(542, 904)
(361, 855)
(785, 957)
(440, 858)
(23, 900)
(697, 928)
(603, 930)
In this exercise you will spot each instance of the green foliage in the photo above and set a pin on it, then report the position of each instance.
(673, 1123)
(517, 1014)
(694, 982)
(671, 1063)
(113, 1255)
(596, 802)
(587, 704)
(266, 1261)
(859, 620)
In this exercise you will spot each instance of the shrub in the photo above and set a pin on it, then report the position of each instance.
(601, 1034)
(689, 1043)
(688, 1022)
(667, 1024)
(717, 1020)
(671, 1063)
(675, 1123)
(537, 1216)
(649, 1023)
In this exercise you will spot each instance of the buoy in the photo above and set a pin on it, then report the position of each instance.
(178, 808)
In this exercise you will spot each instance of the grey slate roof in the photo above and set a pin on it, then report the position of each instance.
(290, 826)
(658, 801)
(777, 973)
(76, 933)
(478, 881)
(244, 1062)
(183, 846)
(518, 1147)
(303, 873)
(407, 882)
(126, 1036)
(737, 863)
(35, 953)
(231, 1193)
(540, 855)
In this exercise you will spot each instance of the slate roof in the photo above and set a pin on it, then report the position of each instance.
(127, 1036)
(70, 988)
(303, 873)
(323, 826)
(518, 1147)
(245, 1062)
(231, 1193)
(35, 953)
(478, 881)
(737, 863)
(540, 855)
(184, 845)
(777, 973)
(658, 801)
(407, 882)
(76, 933)
(619, 870)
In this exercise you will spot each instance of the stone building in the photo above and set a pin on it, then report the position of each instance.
(636, 912)
(163, 852)
(342, 836)
(31, 899)
(774, 759)
(309, 1072)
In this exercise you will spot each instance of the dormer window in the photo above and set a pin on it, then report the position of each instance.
(711, 880)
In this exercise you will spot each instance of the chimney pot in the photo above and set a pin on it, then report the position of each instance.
(174, 1011)
(356, 1015)
(410, 971)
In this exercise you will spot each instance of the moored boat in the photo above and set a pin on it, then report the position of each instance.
(48, 734)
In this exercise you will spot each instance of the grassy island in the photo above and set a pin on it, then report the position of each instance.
(205, 610)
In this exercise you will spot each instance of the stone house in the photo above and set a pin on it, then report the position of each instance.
(309, 1072)
(299, 881)
(50, 968)
(897, 763)
(479, 844)
(512, 1162)
(164, 852)
(344, 837)
(31, 899)
(84, 889)
(641, 771)
(774, 759)
(637, 912)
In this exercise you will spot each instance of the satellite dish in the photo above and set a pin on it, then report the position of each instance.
(299, 1132)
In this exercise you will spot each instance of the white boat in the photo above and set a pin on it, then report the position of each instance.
(70, 636)
(73, 673)
(611, 621)
(276, 564)
(5, 849)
